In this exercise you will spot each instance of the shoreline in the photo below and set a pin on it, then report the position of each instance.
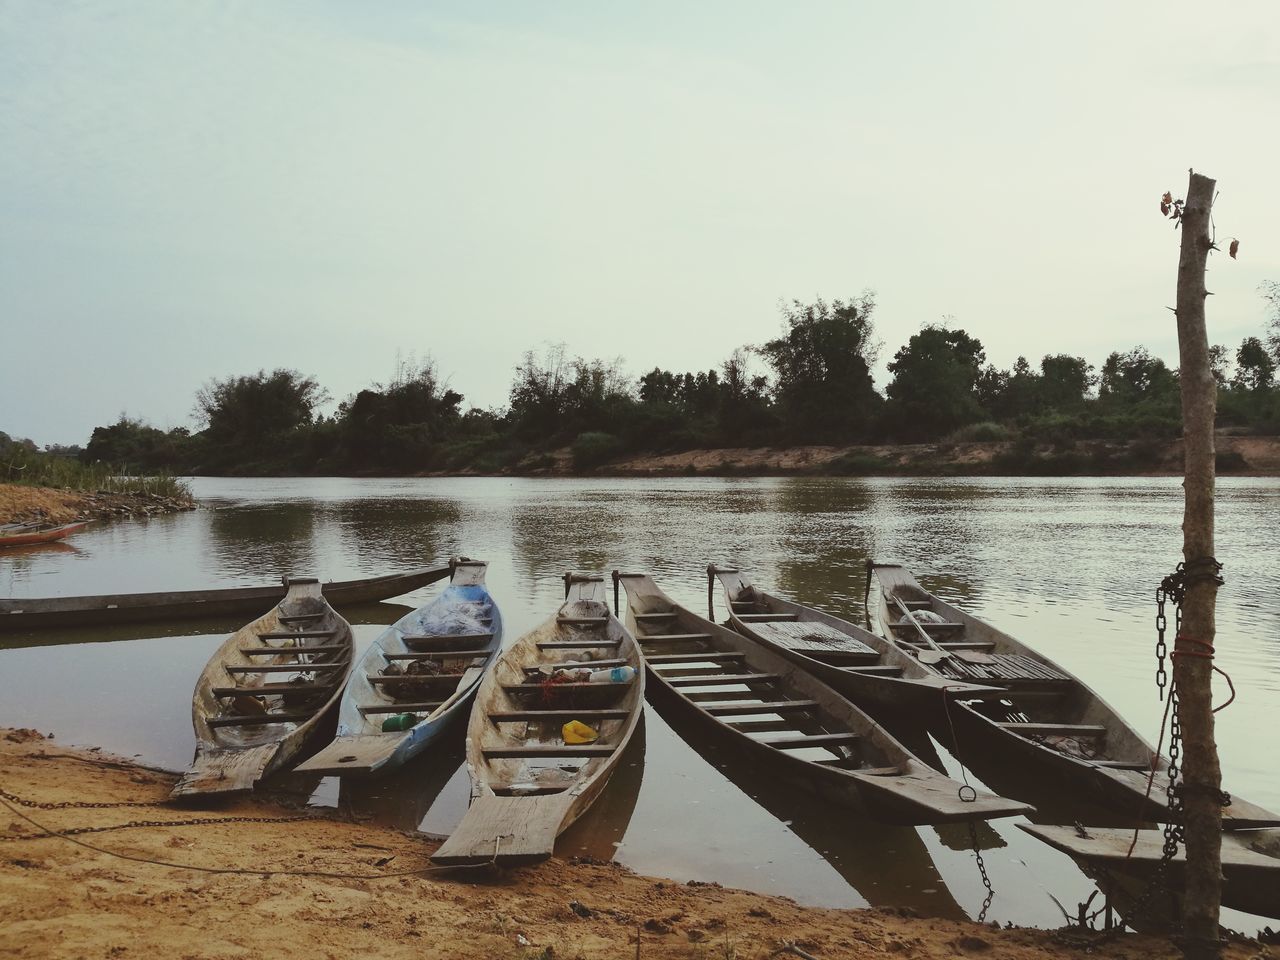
(20, 503)
(378, 894)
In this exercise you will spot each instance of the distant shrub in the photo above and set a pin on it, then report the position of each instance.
(985, 431)
(592, 449)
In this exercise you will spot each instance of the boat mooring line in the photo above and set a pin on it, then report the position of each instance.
(325, 874)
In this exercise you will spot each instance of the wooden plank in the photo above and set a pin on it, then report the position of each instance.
(661, 658)
(946, 626)
(299, 635)
(759, 706)
(813, 740)
(419, 707)
(875, 671)
(509, 830)
(435, 655)
(225, 771)
(517, 716)
(576, 665)
(555, 688)
(426, 638)
(301, 617)
(576, 644)
(1065, 729)
(270, 690)
(967, 644)
(551, 750)
(286, 667)
(583, 621)
(672, 637)
(766, 617)
(451, 678)
(260, 720)
(1122, 764)
(645, 617)
(293, 651)
(762, 726)
(725, 678)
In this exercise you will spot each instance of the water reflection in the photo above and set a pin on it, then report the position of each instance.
(268, 541)
(1068, 566)
(599, 832)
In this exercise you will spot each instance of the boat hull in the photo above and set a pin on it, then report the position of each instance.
(43, 536)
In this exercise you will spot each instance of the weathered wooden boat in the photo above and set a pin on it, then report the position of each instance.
(21, 534)
(868, 669)
(733, 687)
(1043, 715)
(529, 779)
(265, 691)
(415, 679)
(1250, 863)
(19, 614)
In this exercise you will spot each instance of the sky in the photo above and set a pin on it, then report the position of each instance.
(205, 189)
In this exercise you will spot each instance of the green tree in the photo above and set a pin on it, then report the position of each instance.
(1133, 377)
(822, 367)
(1065, 381)
(256, 408)
(1255, 370)
(934, 386)
(402, 423)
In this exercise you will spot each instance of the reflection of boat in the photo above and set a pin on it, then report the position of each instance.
(599, 832)
(415, 679)
(869, 670)
(1250, 863)
(888, 865)
(21, 534)
(1044, 717)
(402, 798)
(550, 723)
(265, 690)
(811, 735)
(39, 613)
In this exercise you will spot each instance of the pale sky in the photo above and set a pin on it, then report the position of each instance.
(201, 189)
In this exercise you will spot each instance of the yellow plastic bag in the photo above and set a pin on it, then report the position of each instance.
(575, 731)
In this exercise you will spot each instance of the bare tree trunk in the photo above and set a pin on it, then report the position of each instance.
(1192, 668)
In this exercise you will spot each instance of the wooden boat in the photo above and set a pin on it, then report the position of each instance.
(420, 674)
(1043, 715)
(868, 669)
(732, 686)
(527, 783)
(21, 534)
(264, 692)
(18, 614)
(1250, 863)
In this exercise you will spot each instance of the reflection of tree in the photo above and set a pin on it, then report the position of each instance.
(554, 535)
(828, 531)
(264, 542)
(398, 531)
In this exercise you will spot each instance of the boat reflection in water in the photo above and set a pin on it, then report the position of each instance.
(888, 865)
(600, 830)
(404, 797)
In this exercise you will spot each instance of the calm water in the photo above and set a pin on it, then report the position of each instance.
(1069, 566)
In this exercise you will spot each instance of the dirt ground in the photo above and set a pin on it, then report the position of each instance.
(379, 896)
(20, 503)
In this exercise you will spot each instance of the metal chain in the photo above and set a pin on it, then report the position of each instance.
(190, 822)
(982, 872)
(77, 804)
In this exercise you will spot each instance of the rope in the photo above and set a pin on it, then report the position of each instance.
(325, 874)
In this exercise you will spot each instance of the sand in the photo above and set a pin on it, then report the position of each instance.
(58, 899)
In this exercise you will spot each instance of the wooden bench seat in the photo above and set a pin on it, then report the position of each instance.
(812, 740)
(298, 635)
(766, 617)
(259, 721)
(551, 750)
(1057, 729)
(402, 707)
(271, 690)
(661, 658)
(517, 716)
(725, 679)
(293, 651)
(747, 707)
(286, 667)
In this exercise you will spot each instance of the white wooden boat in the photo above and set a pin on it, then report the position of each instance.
(528, 783)
(868, 669)
(415, 679)
(265, 691)
(1043, 716)
(731, 686)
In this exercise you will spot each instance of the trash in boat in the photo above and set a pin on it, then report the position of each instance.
(584, 675)
(575, 732)
(398, 722)
(922, 616)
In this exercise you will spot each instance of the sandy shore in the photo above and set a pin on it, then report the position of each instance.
(382, 898)
(20, 503)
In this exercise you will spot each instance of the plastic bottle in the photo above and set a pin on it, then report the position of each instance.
(399, 721)
(613, 675)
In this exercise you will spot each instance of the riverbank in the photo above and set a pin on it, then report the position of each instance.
(1237, 456)
(20, 503)
(378, 895)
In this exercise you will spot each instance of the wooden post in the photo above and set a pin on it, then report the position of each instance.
(1192, 668)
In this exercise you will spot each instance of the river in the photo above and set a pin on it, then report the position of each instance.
(1069, 566)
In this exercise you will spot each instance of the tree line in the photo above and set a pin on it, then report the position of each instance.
(818, 388)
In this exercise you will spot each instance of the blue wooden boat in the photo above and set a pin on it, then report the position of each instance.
(415, 679)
